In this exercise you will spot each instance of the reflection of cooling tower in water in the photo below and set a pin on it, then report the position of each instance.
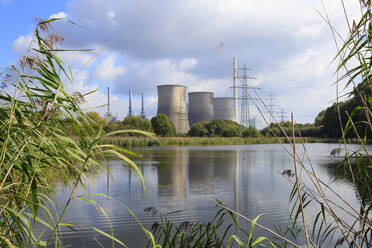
(224, 108)
(172, 103)
(224, 165)
(201, 169)
(200, 107)
(172, 172)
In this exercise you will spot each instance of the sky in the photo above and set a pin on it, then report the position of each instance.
(144, 43)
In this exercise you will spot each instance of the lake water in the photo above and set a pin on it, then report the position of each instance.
(247, 178)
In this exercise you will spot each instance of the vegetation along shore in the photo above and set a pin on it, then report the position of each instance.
(201, 141)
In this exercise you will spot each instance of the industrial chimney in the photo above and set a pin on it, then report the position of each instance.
(200, 107)
(172, 103)
(223, 108)
(142, 114)
(109, 113)
(130, 110)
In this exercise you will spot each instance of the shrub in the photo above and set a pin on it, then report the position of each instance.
(199, 129)
(251, 132)
(95, 119)
(136, 122)
(224, 128)
(163, 126)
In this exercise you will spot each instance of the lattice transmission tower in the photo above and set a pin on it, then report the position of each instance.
(245, 97)
(282, 115)
(271, 106)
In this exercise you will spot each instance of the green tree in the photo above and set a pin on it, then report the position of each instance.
(163, 126)
(251, 132)
(199, 129)
(224, 128)
(330, 123)
(319, 118)
(282, 128)
(136, 122)
(95, 119)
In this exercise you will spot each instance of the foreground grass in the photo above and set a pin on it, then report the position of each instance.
(201, 141)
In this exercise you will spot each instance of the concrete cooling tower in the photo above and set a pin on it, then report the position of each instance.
(224, 108)
(172, 103)
(200, 107)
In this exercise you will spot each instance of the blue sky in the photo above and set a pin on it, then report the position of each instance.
(18, 17)
(145, 43)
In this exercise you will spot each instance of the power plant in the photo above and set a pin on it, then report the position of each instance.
(200, 107)
(224, 108)
(172, 103)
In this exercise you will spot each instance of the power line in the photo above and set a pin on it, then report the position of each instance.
(245, 97)
(271, 106)
(282, 115)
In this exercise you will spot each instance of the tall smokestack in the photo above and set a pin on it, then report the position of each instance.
(130, 111)
(108, 114)
(108, 100)
(235, 87)
(143, 115)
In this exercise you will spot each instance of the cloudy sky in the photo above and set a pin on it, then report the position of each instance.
(144, 43)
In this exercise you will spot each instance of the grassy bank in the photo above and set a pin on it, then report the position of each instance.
(200, 141)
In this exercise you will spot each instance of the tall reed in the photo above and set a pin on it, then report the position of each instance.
(37, 116)
(330, 228)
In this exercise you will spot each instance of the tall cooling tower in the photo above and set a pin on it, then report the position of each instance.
(224, 108)
(172, 103)
(200, 107)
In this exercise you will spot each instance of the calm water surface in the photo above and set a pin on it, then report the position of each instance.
(247, 178)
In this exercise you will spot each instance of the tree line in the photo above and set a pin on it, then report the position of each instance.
(331, 122)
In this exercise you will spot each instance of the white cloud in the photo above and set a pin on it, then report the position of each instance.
(78, 58)
(61, 15)
(111, 14)
(312, 31)
(107, 70)
(187, 64)
(21, 44)
(169, 41)
(96, 101)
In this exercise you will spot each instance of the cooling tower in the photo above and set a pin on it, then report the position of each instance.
(224, 108)
(200, 107)
(172, 103)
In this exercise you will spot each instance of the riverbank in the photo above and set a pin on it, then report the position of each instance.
(201, 141)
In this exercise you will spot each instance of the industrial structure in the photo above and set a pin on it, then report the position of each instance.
(203, 107)
(130, 110)
(108, 115)
(142, 114)
(245, 96)
(271, 108)
(235, 88)
(223, 108)
(200, 107)
(172, 102)
(282, 115)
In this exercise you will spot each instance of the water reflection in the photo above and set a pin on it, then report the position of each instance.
(172, 172)
(246, 178)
